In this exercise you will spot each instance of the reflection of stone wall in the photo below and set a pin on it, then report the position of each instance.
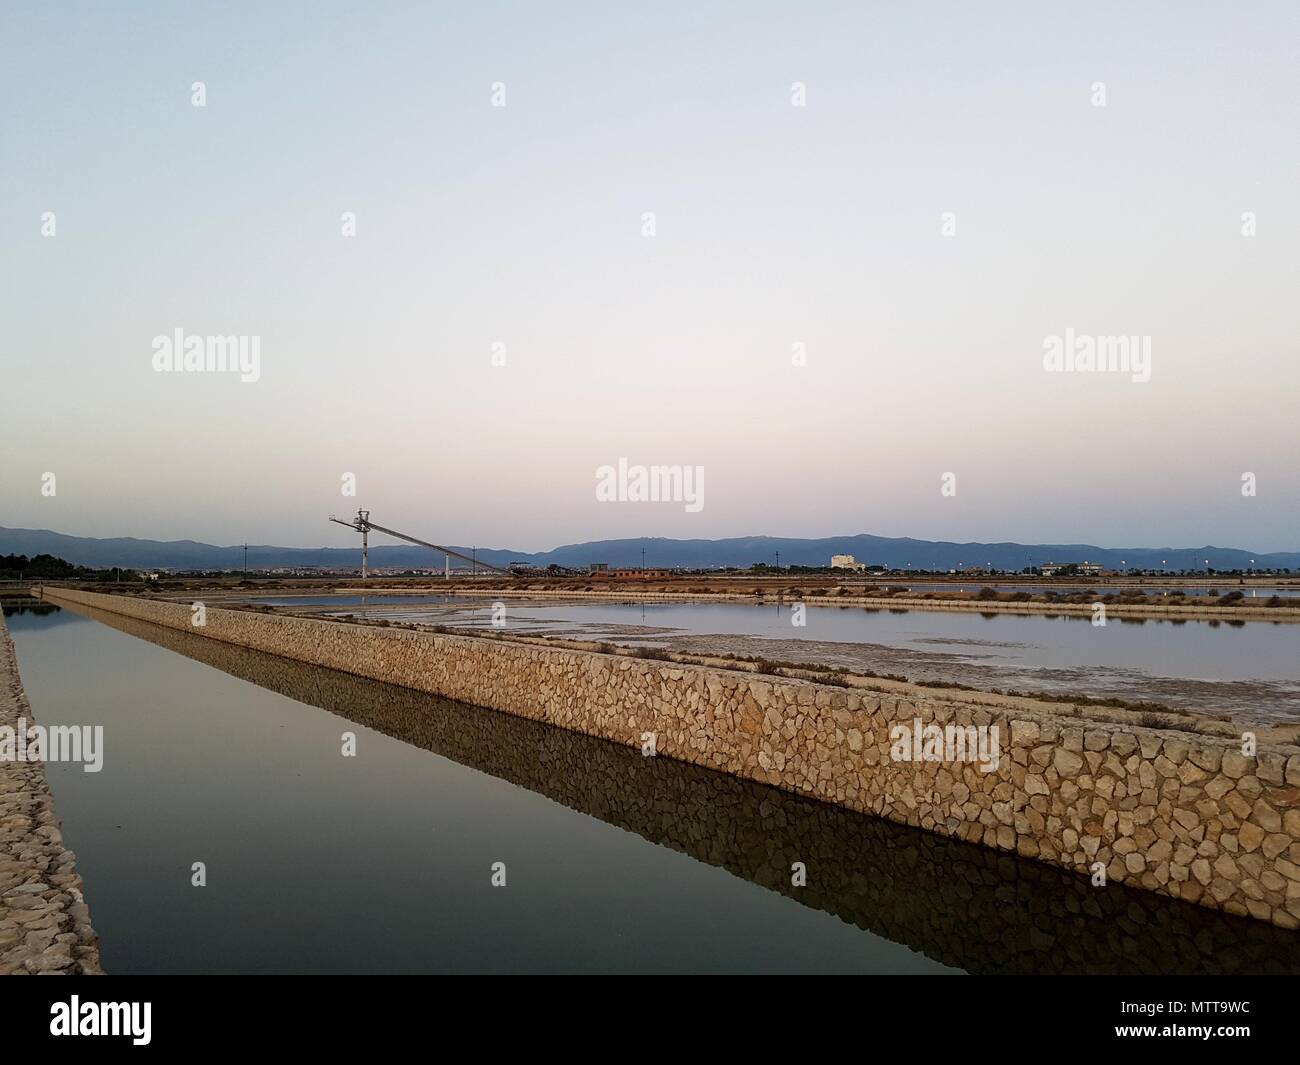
(44, 923)
(959, 903)
(1177, 813)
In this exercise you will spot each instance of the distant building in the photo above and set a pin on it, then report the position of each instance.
(846, 562)
(600, 567)
(1070, 569)
(641, 574)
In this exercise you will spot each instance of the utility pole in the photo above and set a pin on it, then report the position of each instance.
(778, 560)
(364, 515)
(245, 561)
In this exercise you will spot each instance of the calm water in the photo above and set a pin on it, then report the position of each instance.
(1251, 670)
(381, 863)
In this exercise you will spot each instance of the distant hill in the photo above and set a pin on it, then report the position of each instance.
(692, 554)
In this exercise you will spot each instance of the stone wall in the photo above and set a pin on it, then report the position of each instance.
(44, 922)
(1179, 813)
(962, 904)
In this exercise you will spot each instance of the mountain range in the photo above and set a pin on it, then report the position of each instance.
(892, 552)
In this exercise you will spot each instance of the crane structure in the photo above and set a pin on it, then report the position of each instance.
(362, 524)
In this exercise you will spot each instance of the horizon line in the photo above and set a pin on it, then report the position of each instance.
(673, 539)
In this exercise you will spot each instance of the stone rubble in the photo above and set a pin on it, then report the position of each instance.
(44, 921)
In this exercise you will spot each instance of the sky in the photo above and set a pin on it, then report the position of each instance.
(869, 219)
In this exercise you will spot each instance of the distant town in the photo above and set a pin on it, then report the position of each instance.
(48, 567)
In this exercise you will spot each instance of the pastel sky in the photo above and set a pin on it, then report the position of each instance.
(775, 225)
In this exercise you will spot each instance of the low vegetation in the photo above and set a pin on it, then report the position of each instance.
(50, 568)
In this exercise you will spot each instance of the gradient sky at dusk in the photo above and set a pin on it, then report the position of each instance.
(775, 225)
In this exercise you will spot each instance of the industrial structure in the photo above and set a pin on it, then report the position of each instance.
(362, 524)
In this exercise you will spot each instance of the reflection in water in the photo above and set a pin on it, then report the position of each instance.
(25, 604)
(960, 904)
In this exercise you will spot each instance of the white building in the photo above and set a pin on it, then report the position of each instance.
(846, 562)
(1082, 569)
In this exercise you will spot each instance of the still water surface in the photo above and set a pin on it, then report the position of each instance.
(1250, 670)
(381, 863)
